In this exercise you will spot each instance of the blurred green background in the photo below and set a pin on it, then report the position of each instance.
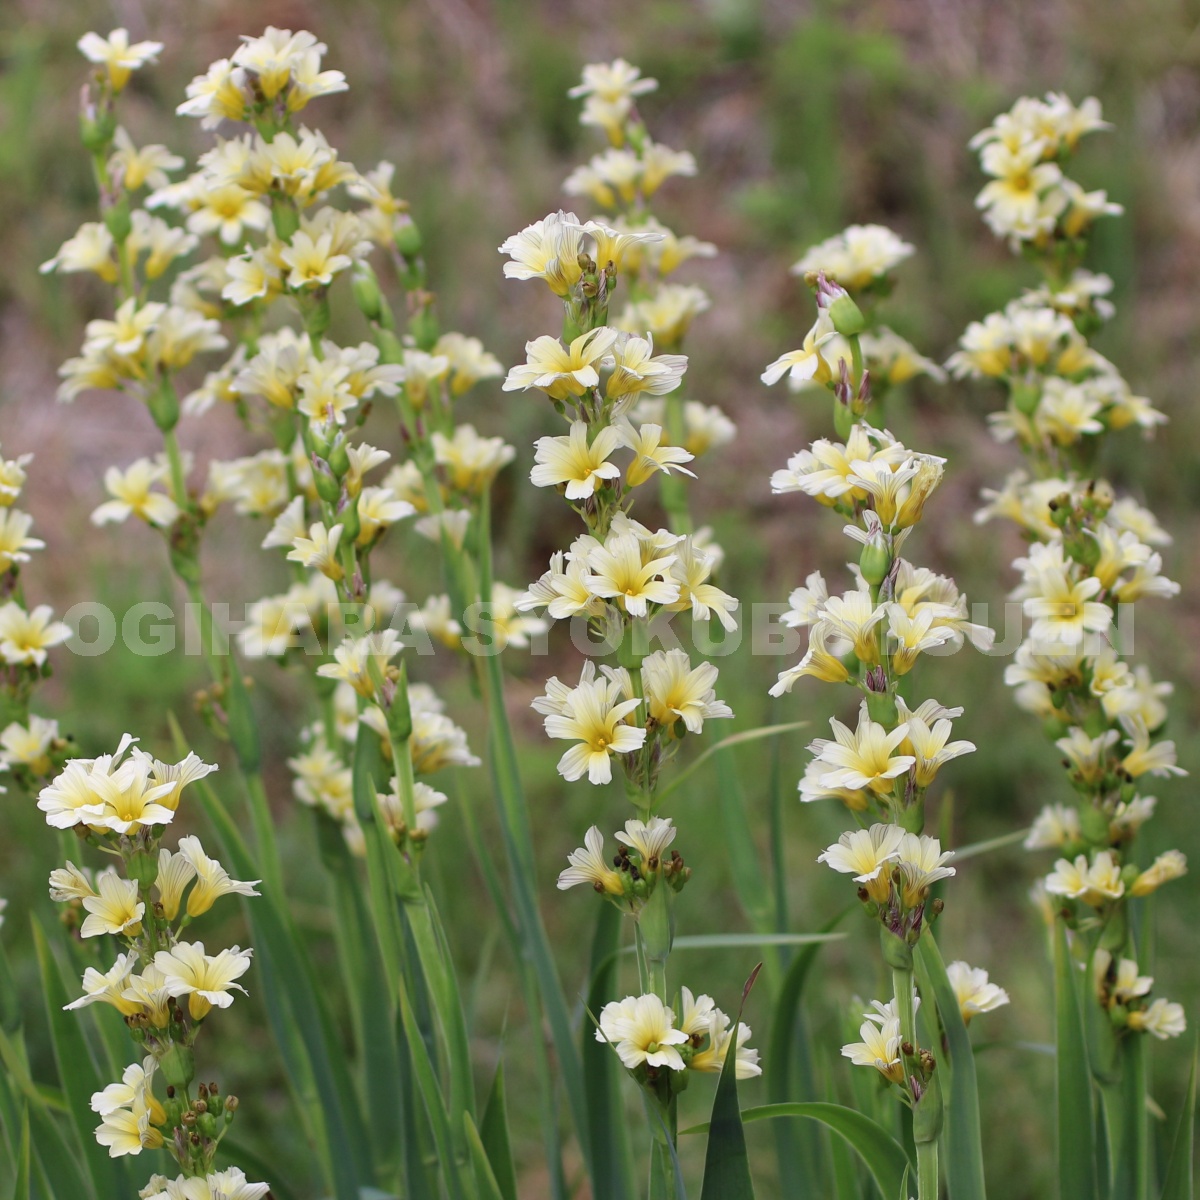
(803, 118)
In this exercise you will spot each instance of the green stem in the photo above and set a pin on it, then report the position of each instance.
(175, 458)
(902, 982)
(927, 1170)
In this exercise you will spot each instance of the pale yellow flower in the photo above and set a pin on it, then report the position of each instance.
(974, 993)
(879, 1048)
(471, 462)
(574, 461)
(593, 715)
(620, 572)
(205, 979)
(1095, 884)
(807, 363)
(319, 550)
(25, 637)
(642, 1030)
(675, 690)
(92, 248)
(117, 55)
(133, 495)
(212, 880)
(548, 249)
(1163, 1019)
(868, 855)
(862, 758)
(562, 373)
(1165, 868)
(313, 262)
(856, 257)
(650, 454)
(113, 908)
(588, 865)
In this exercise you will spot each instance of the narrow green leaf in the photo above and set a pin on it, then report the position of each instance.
(726, 1161)
(612, 1174)
(57, 1158)
(431, 1095)
(799, 1158)
(960, 1088)
(719, 941)
(315, 1063)
(737, 839)
(76, 1071)
(56, 1154)
(1179, 1167)
(1129, 1129)
(997, 843)
(494, 1136)
(21, 1185)
(1076, 1121)
(883, 1155)
(487, 1186)
(734, 739)
(517, 834)
(545, 1074)
(370, 999)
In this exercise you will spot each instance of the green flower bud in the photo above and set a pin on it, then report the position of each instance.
(178, 1066)
(875, 562)
(163, 403)
(927, 1112)
(423, 325)
(284, 217)
(408, 237)
(328, 486)
(119, 220)
(365, 289)
(1026, 397)
(1093, 824)
(143, 867)
(846, 316)
(881, 707)
(351, 525)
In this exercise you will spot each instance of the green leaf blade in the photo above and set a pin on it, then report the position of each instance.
(960, 1087)
(1075, 1109)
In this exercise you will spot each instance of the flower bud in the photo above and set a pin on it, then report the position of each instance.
(408, 237)
(143, 868)
(1026, 397)
(284, 218)
(846, 316)
(365, 288)
(119, 220)
(875, 562)
(178, 1066)
(163, 403)
(423, 325)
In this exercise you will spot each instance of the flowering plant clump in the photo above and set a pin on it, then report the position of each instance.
(870, 638)
(620, 395)
(271, 284)
(1093, 556)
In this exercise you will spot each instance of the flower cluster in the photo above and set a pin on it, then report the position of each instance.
(30, 746)
(644, 1032)
(1091, 555)
(162, 985)
(871, 638)
(618, 383)
(1029, 200)
(859, 262)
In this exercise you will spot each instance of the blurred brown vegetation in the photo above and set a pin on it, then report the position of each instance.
(803, 118)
